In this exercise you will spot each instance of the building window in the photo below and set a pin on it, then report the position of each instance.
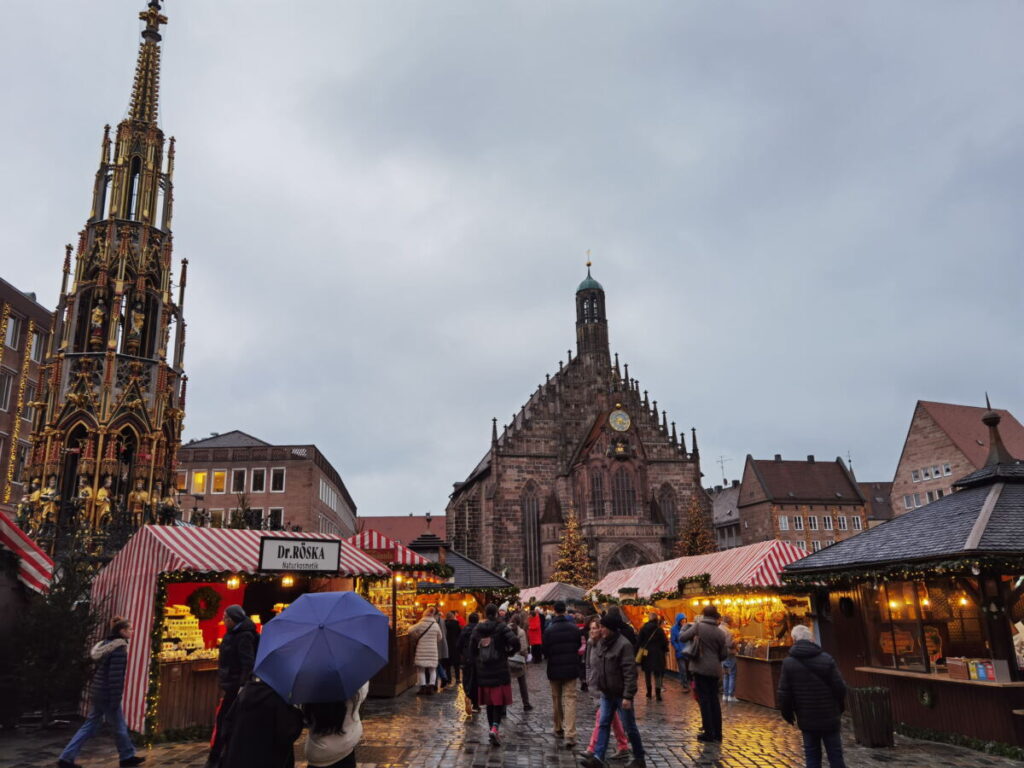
(812, 522)
(238, 481)
(842, 522)
(908, 501)
(277, 480)
(276, 519)
(826, 521)
(798, 522)
(29, 412)
(917, 500)
(181, 480)
(930, 496)
(530, 509)
(947, 469)
(199, 482)
(915, 476)
(329, 496)
(815, 545)
(13, 332)
(856, 523)
(939, 494)
(623, 495)
(20, 457)
(259, 480)
(802, 544)
(783, 522)
(6, 385)
(220, 479)
(216, 518)
(936, 471)
(38, 344)
(596, 494)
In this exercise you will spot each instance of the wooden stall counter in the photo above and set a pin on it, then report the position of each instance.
(189, 693)
(757, 680)
(399, 674)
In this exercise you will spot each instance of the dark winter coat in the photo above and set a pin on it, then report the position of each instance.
(111, 657)
(629, 633)
(713, 649)
(452, 630)
(506, 642)
(468, 668)
(652, 638)
(262, 729)
(562, 640)
(811, 688)
(237, 655)
(614, 667)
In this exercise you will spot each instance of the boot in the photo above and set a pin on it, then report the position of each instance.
(657, 694)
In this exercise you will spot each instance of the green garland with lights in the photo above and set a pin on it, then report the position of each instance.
(425, 588)
(918, 571)
(436, 569)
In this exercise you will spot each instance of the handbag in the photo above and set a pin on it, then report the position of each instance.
(517, 665)
(642, 653)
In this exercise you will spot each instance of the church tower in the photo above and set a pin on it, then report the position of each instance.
(112, 393)
(592, 324)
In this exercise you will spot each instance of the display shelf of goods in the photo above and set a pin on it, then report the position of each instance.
(380, 597)
(181, 638)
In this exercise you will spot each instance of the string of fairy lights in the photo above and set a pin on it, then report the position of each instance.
(20, 400)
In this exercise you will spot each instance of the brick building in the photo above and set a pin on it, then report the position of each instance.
(878, 496)
(290, 486)
(24, 333)
(809, 503)
(587, 441)
(404, 528)
(726, 515)
(944, 443)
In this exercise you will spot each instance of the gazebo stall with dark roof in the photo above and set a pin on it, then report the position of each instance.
(928, 604)
(471, 586)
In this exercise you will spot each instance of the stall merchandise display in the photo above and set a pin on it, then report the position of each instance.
(379, 595)
(182, 639)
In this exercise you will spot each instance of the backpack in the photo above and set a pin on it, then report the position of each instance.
(488, 654)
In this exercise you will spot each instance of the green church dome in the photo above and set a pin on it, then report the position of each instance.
(589, 284)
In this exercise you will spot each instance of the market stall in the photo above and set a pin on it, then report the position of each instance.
(546, 595)
(396, 597)
(929, 605)
(743, 583)
(173, 584)
(470, 587)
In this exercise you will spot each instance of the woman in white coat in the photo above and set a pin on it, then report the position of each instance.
(427, 634)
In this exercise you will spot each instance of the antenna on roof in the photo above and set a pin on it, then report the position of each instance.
(721, 462)
(849, 459)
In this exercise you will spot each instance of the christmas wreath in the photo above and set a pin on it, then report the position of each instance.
(204, 603)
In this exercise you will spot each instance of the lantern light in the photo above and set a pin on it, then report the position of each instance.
(287, 580)
(233, 582)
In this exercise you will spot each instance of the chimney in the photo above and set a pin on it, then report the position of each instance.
(810, 458)
(718, 489)
(778, 457)
(735, 483)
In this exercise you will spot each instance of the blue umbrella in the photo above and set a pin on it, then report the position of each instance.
(323, 647)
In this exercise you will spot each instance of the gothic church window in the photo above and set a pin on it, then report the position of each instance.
(623, 493)
(667, 504)
(531, 535)
(596, 494)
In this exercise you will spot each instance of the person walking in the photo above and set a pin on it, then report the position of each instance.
(334, 731)
(452, 630)
(615, 677)
(593, 637)
(490, 646)
(517, 661)
(535, 634)
(234, 666)
(561, 643)
(627, 630)
(261, 729)
(812, 693)
(729, 665)
(706, 669)
(106, 692)
(443, 678)
(427, 634)
(468, 668)
(680, 649)
(652, 651)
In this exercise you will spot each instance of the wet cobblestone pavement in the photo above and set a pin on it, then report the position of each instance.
(431, 732)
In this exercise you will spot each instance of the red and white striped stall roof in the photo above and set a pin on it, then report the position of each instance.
(377, 541)
(127, 585)
(35, 568)
(755, 565)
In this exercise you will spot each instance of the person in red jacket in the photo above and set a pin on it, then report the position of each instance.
(535, 635)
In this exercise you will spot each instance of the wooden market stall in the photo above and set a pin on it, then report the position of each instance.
(743, 583)
(470, 587)
(173, 584)
(929, 605)
(547, 594)
(396, 597)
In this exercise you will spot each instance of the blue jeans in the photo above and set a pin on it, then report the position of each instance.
(729, 677)
(97, 713)
(608, 706)
(833, 747)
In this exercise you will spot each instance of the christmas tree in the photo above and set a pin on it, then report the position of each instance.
(574, 565)
(696, 538)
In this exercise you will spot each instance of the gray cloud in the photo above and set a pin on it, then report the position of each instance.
(805, 217)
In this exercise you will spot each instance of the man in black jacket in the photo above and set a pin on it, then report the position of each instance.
(234, 666)
(562, 641)
(812, 692)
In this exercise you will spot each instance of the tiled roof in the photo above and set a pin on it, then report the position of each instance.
(469, 574)
(233, 439)
(403, 528)
(723, 505)
(878, 498)
(789, 482)
(963, 425)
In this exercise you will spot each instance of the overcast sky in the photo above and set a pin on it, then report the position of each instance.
(806, 216)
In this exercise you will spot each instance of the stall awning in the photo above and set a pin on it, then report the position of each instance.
(35, 568)
(375, 541)
(553, 590)
(127, 585)
(755, 565)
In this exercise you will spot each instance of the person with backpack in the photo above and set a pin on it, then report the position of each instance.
(812, 693)
(707, 653)
(106, 692)
(681, 649)
(490, 646)
(234, 666)
(562, 647)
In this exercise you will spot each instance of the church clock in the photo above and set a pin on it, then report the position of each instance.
(619, 421)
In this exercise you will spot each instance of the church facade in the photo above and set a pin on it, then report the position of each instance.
(587, 442)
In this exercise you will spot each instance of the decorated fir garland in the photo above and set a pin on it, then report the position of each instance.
(204, 603)
(451, 589)
(919, 571)
(441, 570)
